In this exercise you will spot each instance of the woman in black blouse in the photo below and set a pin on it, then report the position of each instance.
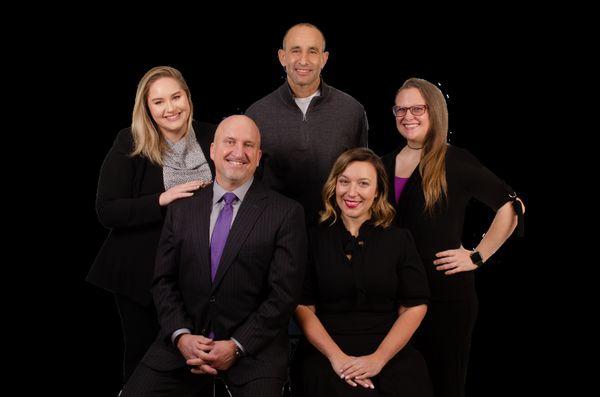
(433, 182)
(163, 157)
(365, 292)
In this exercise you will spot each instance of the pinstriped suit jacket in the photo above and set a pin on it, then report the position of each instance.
(256, 288)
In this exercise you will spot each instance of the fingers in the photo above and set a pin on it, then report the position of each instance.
(204, 369)
(457, 269)
(350, 382)
(445, 253)
(195, 362)
(200, 366)
(355, 373)
(206, 356)
(347, 365)
(447, 259)
(204, 340)
(366, 383)
(447, 267)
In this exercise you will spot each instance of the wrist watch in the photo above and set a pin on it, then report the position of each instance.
(476, 258)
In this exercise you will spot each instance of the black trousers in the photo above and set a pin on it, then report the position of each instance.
(444, 339)
(147, 382)
(140, 326)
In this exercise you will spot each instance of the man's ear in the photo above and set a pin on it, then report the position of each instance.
(281, 56)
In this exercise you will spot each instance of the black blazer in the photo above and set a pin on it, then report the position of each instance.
(256, 288)
(127, 205)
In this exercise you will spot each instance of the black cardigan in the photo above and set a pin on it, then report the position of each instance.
(127, 205)
(466, 178)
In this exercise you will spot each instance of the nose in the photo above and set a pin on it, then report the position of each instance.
(304, 58)
(238, 150)
(408, 115)
(170, 106)
(352, 190)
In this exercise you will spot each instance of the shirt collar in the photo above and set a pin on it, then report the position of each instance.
(240, 192)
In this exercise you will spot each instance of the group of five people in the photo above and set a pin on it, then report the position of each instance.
(218, 236)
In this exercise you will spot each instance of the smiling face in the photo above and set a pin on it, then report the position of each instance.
(169, 106)
(235, 151)
(356, 189)
(413, 128)
(303, 58)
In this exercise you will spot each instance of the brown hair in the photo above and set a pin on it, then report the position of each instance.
(433, 158)
(382, 211)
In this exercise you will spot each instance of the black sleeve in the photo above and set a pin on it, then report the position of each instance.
(167, 297)
(413, 287)
(115, 204)
(481, 183)
(310, 288)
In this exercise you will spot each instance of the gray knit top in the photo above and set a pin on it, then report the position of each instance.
(185, 162)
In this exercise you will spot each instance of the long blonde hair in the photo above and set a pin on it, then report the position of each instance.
(382, 212)
(148, 141)
(433, 158)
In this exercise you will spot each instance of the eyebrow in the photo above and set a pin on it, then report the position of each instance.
(360, 179)
(297, 47)
(235, 139)
(173, 94)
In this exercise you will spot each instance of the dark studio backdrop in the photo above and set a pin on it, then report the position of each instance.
(229, 65)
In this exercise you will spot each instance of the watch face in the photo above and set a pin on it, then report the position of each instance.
(476, 258)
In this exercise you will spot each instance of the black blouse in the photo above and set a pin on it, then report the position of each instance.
(362, 295)
(466, 178)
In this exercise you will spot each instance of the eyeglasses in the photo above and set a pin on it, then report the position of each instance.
(417, 110)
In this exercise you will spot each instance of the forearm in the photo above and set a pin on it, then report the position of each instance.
(403, 329)
(316, 333)
(502, 226)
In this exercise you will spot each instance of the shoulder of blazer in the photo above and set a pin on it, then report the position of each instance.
(188, 205)
(124, 141)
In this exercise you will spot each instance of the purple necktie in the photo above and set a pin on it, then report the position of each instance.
(220, 233)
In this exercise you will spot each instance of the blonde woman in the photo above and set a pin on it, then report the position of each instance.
(162, 157)
(432, 184)
(365, 292)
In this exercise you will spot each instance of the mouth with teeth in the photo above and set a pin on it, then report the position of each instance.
(410, 126)
(237, 163)
(173, 117)
(303, 71)
(352, 203)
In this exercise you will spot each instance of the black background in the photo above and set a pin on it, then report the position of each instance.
(231, 62)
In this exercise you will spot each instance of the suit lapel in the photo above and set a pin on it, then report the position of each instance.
(250, 209)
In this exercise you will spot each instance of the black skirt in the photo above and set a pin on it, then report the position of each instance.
(404, 375)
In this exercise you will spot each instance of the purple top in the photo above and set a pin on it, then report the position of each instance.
(399, 184)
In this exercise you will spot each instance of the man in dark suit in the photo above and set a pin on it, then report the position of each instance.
(229, 270)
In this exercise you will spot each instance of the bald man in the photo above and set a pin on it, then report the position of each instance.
(228, 274)
(305, 123)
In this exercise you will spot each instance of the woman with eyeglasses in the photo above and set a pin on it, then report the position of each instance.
(432, 182)
(162, 157)
(364, 294)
